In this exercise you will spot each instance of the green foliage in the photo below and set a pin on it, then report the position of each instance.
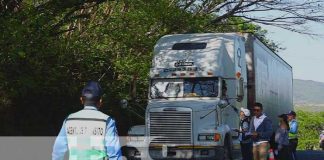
(310, 126)
(49, 49)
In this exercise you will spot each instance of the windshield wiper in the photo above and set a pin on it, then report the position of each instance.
(171, 87)
(157, 93)
(202, 117)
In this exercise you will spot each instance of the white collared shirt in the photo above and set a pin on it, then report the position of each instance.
(257, 121)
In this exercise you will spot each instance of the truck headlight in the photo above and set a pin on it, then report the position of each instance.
(209, 137)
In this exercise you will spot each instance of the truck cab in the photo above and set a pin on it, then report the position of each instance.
(197, 84)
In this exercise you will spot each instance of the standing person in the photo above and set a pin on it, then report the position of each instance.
(88, 134)
(245, 140)
(321, 141)
(261, 131)
(281, 139)
(293, 132)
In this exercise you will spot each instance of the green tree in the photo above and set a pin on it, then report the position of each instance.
(309, 129)
(50, 49)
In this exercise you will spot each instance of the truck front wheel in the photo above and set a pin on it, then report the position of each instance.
(225, 152)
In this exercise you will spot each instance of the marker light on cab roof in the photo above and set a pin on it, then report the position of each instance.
(238, 74)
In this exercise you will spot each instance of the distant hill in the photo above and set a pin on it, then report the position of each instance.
(308, 95)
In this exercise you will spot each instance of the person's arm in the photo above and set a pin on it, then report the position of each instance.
(266, 134)
(322, 137)
(112, 141)
(245, 131)
(251, 126)
(245, 127)
(281, 136)
(60, 145)
(293, 127)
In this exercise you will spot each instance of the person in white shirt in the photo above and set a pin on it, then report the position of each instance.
(245, 139)
(261, 131)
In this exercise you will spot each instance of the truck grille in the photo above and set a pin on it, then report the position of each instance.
(170, 127)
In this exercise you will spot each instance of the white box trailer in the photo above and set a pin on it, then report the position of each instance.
(270, 79)
(198, 84)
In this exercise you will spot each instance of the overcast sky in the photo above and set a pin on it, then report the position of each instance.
(304, 53)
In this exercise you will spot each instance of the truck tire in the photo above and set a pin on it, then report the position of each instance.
(225, 152)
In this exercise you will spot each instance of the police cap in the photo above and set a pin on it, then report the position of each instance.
(291, 113)
(92, 90)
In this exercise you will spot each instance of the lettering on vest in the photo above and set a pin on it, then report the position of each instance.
(76, 130)
(86, 137)
(98, 131)
(85, 126)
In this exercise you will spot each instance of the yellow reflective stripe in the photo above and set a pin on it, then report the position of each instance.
(292, 135)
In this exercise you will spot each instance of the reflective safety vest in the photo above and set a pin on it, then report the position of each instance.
(292, 135)
(86, 132)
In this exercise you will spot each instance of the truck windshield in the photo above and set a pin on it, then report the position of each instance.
(190, 87)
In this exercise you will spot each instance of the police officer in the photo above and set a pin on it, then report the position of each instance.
(88, 134)
(293, 132)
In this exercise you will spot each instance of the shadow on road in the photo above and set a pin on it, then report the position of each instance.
(310, 155)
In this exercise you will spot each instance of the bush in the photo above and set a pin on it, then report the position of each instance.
(310, 126)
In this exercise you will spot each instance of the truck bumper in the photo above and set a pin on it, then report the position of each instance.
(185, 152)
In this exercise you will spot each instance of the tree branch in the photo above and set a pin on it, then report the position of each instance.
(229, 13)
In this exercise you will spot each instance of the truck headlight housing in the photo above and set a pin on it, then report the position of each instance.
(209, 137)
(135, 138)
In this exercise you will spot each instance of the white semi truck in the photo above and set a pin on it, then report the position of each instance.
(198, 83)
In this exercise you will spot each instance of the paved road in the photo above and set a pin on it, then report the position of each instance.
(310, 155)
(306, 155)
(40, 148)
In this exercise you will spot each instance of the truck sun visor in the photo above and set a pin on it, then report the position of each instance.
(189, 46)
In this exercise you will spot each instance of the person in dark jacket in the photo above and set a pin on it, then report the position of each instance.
(245, 139)
(283, 149)
(261, 131)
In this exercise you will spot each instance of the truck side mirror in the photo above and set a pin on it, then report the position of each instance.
(124, 104)
(240, 90)
(222, 103)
